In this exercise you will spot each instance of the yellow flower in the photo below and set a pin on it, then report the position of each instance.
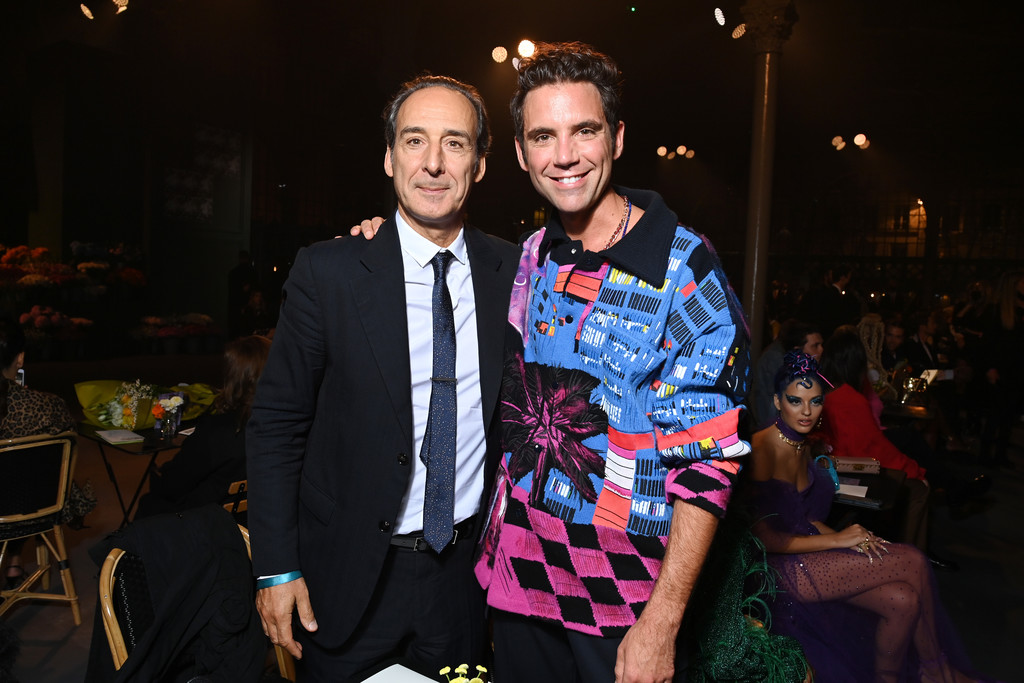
(462, 669)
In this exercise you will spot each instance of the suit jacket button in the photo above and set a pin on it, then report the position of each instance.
(384, 525)
(403, 459)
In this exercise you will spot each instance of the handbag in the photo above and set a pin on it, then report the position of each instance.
(857, 465)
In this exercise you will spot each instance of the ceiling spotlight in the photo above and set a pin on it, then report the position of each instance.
(837, 140)
(739, 31)
(681, 150)
(87, 12)
(841, 145)
(526, 48)
(689, 154)
(122, 5)
(499, 54)
(720, 16)
(671, 155)
(859, 139)
(662, 151)
(867, 143)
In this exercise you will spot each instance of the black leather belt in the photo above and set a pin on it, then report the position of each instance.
(415, 541)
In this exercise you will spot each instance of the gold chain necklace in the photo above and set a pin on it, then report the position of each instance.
(627, 209)
(798, 445)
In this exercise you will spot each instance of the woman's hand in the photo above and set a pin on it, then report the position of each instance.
(863, 541)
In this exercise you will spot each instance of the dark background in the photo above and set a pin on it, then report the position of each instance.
(194, 128)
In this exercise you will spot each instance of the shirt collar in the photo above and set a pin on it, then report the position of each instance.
(644, 250)
(421, 250)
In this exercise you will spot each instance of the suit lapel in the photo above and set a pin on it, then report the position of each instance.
(380, 300)
(491, 313)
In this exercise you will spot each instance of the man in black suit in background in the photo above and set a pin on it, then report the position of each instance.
(341, 475)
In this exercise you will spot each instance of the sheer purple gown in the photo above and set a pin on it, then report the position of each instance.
(857, 621)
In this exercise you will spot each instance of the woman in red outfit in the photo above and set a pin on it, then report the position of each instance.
(853, 430)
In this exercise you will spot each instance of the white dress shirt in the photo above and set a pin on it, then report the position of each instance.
(470, 446)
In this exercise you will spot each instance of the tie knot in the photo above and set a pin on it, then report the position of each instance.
(440, 263)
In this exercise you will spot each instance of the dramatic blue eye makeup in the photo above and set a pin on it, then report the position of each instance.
(818, 401)
(793, 400)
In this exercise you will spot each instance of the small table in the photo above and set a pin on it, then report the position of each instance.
(151, 446)
(883, 489)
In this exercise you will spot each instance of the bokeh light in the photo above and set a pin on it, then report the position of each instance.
(499, 54)
(526, 48)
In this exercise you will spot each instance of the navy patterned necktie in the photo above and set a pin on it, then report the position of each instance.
(438, 451)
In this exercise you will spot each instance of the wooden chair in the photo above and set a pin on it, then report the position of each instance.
(237, 500)
(127, 612)
(34, 488)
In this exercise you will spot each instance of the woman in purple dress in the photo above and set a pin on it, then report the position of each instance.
(862, 608)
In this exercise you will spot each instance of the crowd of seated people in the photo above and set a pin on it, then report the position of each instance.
(851, 407)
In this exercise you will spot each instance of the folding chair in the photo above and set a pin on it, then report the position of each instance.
(127, 612)
(34, 489)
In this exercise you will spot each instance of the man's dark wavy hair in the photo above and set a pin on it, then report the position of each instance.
(568, 63)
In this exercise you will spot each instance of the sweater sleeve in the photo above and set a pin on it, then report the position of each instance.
(697, 398)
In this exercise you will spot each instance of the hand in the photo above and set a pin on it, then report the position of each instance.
(647, 654)
(863, 541)
(367, 228)
(276, 604)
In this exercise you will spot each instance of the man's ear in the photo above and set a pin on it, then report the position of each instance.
(619, 139)
(388, 168)
(522, 158)
(481, 167)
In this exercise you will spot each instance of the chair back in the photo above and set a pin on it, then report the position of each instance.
(36, 476)
(127, 609)
(236, 501)
(34, 489)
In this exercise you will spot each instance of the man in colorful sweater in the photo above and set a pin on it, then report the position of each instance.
(627, 358)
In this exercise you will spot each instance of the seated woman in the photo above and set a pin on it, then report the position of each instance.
(214, 456)
(862, 608)
(851, 426)
(23, 412)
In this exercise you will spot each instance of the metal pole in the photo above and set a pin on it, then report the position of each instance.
(769, 22)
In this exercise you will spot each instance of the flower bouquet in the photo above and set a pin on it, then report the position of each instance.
(129, 408)
(167, 410)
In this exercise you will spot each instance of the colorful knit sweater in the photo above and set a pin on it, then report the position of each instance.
(624, 374)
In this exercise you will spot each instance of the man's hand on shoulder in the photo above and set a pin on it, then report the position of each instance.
(367, 228)
(647, 653)
(276, 605)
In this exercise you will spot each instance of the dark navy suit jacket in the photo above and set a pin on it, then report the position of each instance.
(330, 438)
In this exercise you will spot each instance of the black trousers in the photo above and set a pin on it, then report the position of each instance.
(426, 613)
(533, 650)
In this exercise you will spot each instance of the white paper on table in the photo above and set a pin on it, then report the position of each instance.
(854, 490)
(396, 673)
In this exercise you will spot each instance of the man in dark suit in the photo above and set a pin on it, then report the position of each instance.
(339, 474)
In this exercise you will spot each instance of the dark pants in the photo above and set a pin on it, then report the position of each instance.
(534, 650)
(427, 612)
